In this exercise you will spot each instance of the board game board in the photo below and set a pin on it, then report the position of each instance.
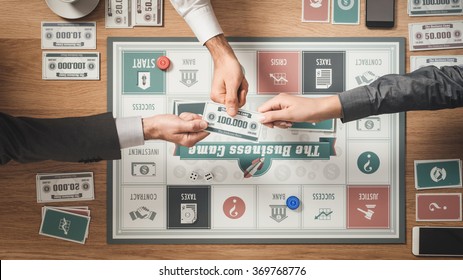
(325, 182)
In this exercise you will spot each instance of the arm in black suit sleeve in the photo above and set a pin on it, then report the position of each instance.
(428, 88)
(81, 139)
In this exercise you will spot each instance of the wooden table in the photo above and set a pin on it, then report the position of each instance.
(430, 135)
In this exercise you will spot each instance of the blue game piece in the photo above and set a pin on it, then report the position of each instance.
(293, 202)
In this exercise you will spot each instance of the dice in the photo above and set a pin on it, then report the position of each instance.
(194, 176)
(208, 176)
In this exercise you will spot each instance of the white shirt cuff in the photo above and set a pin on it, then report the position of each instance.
(203, 23)
(130, 132)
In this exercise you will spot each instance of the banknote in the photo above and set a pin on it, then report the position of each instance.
(435, 35)
(130, 13)
(245, 125)
(68, 35)
(57, 187)
(70, 66)
(117, 14)
(435, 7)
(417, 62)
(147, 12)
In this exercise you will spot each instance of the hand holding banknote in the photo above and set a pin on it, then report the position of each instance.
(186, 129)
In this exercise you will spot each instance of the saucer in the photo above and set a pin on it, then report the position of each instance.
(73, 10)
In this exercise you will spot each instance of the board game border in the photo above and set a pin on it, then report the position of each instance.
(401, 143)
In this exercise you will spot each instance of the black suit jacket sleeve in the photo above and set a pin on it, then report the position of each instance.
(81, 139)
(428, 88)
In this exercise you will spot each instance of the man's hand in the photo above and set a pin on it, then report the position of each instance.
(229, 86)
(186, 129)
(284, 109)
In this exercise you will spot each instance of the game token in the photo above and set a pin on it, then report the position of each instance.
(163, 62)
(292, 202)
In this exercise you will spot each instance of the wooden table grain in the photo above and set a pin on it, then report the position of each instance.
(429, 135)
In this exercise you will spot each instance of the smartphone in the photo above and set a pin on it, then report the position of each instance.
(380, 13)
(437, 241)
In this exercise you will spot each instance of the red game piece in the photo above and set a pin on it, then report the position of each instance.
(163, 62)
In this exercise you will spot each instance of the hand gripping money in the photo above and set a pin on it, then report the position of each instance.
(428, 88)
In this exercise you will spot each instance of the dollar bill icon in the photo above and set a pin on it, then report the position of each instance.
(369, 124)
(143, 169)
